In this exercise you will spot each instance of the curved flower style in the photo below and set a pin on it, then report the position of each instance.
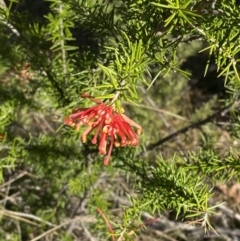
(108, 124)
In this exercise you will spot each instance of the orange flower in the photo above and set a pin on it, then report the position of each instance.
(110, 126)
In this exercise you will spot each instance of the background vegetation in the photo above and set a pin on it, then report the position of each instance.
(174, 67)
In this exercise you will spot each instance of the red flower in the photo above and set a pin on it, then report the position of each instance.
(110, 125)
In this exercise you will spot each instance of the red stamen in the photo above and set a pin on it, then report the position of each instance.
(106, 160)
(119, 131)
(85, 133)
(132, 123)
(69, 122)
(103, 143)
(94, 140)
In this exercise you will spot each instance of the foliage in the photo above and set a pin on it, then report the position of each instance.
(171, 64)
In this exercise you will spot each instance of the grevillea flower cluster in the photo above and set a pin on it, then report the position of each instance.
(111, 128)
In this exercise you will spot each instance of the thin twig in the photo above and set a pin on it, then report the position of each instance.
(10, 215)
(121, 237)
(9, 198)
(56, 85)
(160, 111)
(4, 21)
(25, 215)
(222, 112)
(19, 230)
(107, 223)
(152, 103)
(165, 236)
(15, 178)
(64, 53)
(230, 213)
(55, 228)
(117, 93)
(87, 233)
